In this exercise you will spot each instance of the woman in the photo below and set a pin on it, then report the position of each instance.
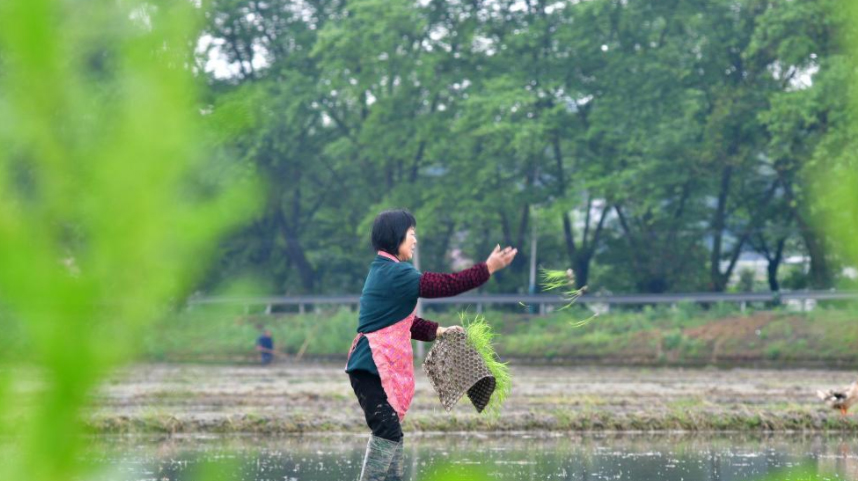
(381, 364)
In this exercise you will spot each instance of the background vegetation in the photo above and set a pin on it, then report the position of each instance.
(652, 143)
(682, 335)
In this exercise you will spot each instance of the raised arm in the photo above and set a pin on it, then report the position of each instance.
(434, 285)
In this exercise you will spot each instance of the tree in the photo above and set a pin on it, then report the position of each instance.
(795, 41)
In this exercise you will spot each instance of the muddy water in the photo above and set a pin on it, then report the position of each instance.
(525, 456)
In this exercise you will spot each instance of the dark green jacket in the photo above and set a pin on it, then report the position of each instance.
(389, 295)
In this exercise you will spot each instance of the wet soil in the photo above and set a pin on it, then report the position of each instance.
(317, 397)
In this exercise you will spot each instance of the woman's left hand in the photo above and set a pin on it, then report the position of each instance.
(441, 330)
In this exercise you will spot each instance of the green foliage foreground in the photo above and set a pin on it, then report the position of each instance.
(108, 205)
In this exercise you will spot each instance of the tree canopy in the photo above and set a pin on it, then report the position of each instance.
(652, 142)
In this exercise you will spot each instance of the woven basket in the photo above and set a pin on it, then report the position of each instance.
(455, 368)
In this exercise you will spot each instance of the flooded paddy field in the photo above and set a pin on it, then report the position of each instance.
(316, 397)
(513, 456)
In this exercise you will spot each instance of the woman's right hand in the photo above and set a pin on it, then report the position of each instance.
(500, 258)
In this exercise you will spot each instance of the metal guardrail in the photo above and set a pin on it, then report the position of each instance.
(543, 300)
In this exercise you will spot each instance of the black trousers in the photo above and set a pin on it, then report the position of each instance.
(379, 414)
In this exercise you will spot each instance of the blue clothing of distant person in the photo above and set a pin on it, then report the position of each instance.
(265, 346)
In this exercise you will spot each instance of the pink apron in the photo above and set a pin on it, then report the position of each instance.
(392, 354)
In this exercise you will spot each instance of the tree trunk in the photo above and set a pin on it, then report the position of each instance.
(568, 236)
(579, 258)
(581, 268)
(298, 257)
(772, 271)
(820, 270)
(520, 263)
(717, 280)
(774, 265)
(296, 253)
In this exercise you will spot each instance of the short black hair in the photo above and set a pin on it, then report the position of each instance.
(390, 228)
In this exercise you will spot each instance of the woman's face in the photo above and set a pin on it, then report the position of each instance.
(406, 249)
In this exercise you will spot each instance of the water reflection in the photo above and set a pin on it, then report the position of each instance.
(631, 457)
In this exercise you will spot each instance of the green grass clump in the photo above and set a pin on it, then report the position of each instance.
(480, 335)
(555, 279)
